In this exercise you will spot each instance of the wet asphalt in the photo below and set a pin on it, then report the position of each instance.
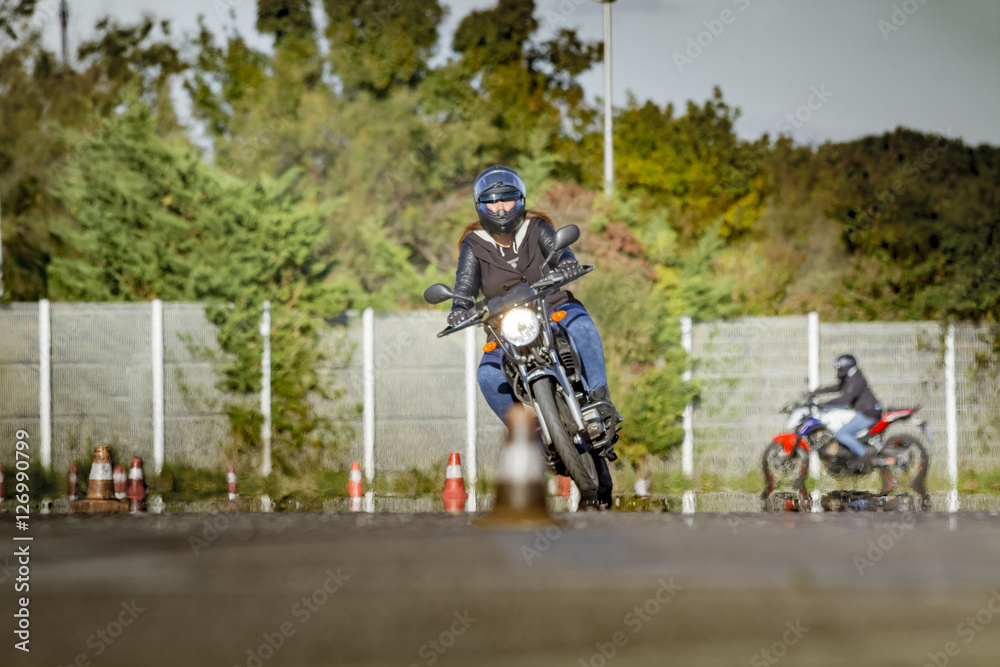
(310, 589)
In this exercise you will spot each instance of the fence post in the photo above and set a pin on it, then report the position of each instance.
(471, 394)
(157, 354)
(687, 448)
(45, 382)
(368, 389)
(265, 388)
(813, 381)
(951, 417)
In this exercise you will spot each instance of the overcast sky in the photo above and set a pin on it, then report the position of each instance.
(816, 69)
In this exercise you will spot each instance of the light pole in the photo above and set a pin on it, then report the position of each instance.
(609, 145)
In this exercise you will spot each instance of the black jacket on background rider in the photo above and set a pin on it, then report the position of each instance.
(855, 394)
(485, 266)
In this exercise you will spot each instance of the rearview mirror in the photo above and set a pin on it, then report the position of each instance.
(438, 293)
(566, 236)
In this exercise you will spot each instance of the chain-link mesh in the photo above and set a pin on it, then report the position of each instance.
(18, 375)
(195, 424)
(977, 379)
(746, 368)
(102, 381)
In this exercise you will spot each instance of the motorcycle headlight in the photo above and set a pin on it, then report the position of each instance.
(520, 326)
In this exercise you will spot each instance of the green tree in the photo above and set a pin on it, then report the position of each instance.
(153, 220)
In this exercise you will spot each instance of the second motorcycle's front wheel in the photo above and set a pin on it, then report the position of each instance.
(780, 469)
(580, 466)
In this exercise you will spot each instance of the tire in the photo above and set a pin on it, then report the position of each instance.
(911, 461)
(779, 467)
(580, 466)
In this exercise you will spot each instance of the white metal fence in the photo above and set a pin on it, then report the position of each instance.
(144, 379)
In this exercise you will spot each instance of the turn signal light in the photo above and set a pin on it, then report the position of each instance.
(490, 346)
(558, 315)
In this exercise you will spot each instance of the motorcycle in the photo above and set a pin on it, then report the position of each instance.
(896, 442)
(543, 367)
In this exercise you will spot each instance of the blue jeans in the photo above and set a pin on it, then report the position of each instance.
(846, 435)
(583, 332)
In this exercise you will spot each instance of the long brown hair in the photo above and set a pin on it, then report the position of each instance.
(528, 215)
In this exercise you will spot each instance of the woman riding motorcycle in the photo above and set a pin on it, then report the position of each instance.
(506, 248)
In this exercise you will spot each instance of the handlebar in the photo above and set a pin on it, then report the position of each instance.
(551, 282)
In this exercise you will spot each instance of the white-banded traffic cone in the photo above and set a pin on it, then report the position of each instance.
(354, 490)
(118, 477)
(136, 489)
(454, 495)
(232, 488)
(100, 489)
(520, 499)
(74, 484)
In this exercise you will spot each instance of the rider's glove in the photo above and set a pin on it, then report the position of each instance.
(570, 268)
(456, 316)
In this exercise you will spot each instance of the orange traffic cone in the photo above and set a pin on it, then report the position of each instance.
(454, 495)
(118, 476)
(232, 488)
(136, 490)
(520, 499)
(100, 490)
(354, 490)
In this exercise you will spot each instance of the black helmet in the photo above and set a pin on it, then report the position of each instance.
(499, 184)
(844, 363)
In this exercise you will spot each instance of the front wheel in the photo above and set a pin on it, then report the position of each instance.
(780, 468)
(580, 466)
(904, 463)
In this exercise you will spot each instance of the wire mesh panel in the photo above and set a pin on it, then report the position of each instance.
(195, 422)
(419, 391)
(102, 390)
(904, 365)
(18, 377)
(748, 369)
(977, 375)
(340, 374)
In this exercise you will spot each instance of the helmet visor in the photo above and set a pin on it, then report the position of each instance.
(494, 197)
(498, 180)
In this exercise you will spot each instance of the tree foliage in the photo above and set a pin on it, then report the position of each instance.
(339, 175)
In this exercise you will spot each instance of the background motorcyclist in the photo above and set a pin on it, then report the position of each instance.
(857, 395)
(505, 248)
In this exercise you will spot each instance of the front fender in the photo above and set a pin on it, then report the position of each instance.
(788, 441)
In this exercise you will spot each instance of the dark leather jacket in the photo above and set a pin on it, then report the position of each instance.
(855, 394)
(482, 268)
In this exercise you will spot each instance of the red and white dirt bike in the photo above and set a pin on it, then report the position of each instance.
(899, 443)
